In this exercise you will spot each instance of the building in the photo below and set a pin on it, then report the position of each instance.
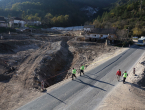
(3, 22)
(32, 23)
(89, 28)
(102, 33)
(17, 22)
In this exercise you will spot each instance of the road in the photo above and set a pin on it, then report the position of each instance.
(86, 92)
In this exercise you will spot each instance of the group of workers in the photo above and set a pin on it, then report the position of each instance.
(74, 72)
(118, 73)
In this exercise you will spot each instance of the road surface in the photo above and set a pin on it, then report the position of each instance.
(87, 91)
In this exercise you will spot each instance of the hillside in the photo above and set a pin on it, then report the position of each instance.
(100, 3)
(55, 12)
(127, 14)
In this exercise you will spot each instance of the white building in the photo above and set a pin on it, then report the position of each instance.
(17, 22)
(143, 37)
(102, 33)
(89, 28)
(101, 36)
(32, 23)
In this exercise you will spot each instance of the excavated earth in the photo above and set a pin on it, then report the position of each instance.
(27, 60)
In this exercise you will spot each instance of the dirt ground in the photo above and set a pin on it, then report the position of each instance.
(40, 57)
(128, 96)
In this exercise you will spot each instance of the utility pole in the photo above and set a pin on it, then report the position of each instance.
(127, 33)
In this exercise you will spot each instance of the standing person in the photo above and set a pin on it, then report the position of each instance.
(124, 76)
(73, 73)
(118, 73)
(82, 70)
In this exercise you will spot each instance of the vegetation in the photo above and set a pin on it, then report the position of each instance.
(52, 12)
(127, 14)
(124, 14)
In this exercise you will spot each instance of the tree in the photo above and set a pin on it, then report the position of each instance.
(121, 34)
(47, 18)
(125, 14)
(23, 15)
(99, 18)
(97, 23)
(16, 7)
(33, 17)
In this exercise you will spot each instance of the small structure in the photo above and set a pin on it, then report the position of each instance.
(141, 41)
(32, 23)
(3, 22)
(102, 34)
(89, 28)
(135, 37)
(142, 37)
(17, 22)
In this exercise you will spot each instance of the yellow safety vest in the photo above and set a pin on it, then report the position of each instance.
(74, 71)
(82, 68)
(125, 75)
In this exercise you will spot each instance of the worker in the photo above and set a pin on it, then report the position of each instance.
(82, 70)
(118, 73)
(124, 76)
(73, 73)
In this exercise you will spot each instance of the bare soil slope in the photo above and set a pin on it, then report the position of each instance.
(40, 57)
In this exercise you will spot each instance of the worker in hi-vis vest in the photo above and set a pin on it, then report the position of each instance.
(82, 70)
(124, 76)
(73, 73)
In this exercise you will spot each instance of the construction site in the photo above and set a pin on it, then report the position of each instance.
(27, 59)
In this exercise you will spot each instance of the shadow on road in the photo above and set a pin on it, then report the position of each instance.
(135, 47)
(138, 47)
(111, 63)
(56, 98)
(80, 81)
(86, 76)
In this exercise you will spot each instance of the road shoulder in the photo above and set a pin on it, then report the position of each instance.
(128, 96)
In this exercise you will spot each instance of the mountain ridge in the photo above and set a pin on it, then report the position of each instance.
(40, 9)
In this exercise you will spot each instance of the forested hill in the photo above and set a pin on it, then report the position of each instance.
(55, 12)
(100, 3)
(127, 14)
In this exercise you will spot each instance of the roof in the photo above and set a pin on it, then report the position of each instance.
(18, 18)
(89, 26)
(32, 21)
(2, 19)
(141, 39)
(103, 31)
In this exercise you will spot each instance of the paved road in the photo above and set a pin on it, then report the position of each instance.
(87, 91)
